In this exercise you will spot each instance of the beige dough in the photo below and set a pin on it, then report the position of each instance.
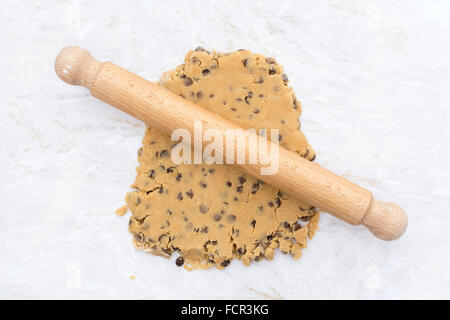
(211, 214)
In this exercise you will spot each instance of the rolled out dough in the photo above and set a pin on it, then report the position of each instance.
(211, 214)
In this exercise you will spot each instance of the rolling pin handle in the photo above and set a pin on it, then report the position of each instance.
(76, 66)
(386, 220)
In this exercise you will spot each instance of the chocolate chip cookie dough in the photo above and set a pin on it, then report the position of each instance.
(211, 214)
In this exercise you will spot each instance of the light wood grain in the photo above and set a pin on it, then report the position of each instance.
(166, 112)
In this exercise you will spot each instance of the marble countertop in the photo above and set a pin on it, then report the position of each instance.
(374, 82)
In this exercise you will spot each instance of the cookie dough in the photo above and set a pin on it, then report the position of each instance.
(211, 214)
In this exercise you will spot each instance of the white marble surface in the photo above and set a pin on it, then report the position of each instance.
(374, 81)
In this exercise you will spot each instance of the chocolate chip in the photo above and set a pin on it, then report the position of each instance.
(169, 170)
(202, 49)
(295, 104)
(246, 100)
(231, 218)
(139, 237)
(255, 188)
(261, 208)
(161, 190)
(270, 61)
(253, 223)
(199, 95)
(250, 94)
(211, 170)
(156, 154)
(182, 95)
(245, 61)
(214, 242)
(277, 202)
(205, 72)
(242, 180)
(313, 158)
(229, 184)
(225, 263)
(280, 137)
(256, 110)
(204, 229)
(285, 78)
(180, 196)
(297, 226)
(260, 80)
(190, 193)
(187, 81)
(202, 184)
(180, 261)
(203, 208)
(272, 71)
(179, 176)
(270, 204)
(152, 174)
(240, 189)
(211, 95)
(217, 217)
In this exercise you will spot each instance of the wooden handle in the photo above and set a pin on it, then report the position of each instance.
(166, 112)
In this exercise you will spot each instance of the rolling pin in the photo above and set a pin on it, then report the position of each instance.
(166, 112)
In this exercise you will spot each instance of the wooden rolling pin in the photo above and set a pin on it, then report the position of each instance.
(166, 112)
